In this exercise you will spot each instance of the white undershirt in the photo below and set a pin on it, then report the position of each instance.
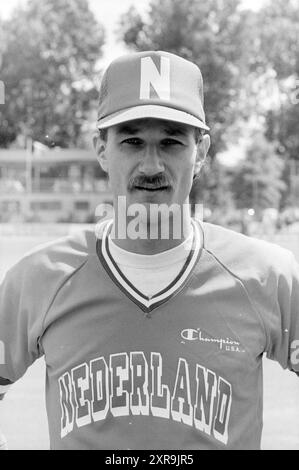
(151, 273)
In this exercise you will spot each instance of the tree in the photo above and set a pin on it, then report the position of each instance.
(278, 28)
(282, 127)
(274, 61)
(48, 67)
(257, 182)
(278, 37)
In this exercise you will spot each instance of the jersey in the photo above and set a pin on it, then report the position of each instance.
(179, 370)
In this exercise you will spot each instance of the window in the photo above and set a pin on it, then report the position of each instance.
(7, 206)
(45, 205)
(82, 205)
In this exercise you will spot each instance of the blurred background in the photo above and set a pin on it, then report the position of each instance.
(52, 56)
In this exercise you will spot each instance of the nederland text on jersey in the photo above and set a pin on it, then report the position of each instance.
(122, 387)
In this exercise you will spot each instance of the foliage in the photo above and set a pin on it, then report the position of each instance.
(257, 182)
(278, 37)
(48, 67)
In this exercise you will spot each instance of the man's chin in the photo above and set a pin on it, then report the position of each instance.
(152, 196)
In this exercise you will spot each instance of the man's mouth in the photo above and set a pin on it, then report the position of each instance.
(148, 187)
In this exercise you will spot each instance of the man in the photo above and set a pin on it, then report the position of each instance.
(153, 330)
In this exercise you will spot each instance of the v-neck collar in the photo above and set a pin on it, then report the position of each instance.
(145, 303)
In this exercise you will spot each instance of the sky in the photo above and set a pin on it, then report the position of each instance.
(108, 13)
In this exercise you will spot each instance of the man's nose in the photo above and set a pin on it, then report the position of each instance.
(151, 162)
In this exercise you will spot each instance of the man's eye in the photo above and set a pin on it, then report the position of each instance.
(170, 142)
(132, 141)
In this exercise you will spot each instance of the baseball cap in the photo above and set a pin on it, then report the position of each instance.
(151, 84)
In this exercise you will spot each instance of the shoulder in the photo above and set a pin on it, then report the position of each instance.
(60, 257)
(239, 252)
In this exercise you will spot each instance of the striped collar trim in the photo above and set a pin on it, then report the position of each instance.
(147, 304)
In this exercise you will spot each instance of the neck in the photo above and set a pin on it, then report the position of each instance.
(148, 238)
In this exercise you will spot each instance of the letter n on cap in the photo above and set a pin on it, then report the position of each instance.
(158, 79)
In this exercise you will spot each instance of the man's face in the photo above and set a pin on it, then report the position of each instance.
(150, 161)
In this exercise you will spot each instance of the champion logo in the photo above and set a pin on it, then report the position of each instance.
(225, 344)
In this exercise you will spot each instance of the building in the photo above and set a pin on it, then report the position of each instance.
(60, 185)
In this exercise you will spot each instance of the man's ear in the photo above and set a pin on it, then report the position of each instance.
(202, 151)
(100, 148)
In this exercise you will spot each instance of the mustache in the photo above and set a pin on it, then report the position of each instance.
(156, 181)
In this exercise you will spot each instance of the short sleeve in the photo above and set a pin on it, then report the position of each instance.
(26, 296)
(20, 324)
(284, 325)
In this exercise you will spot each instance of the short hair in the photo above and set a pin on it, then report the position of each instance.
(198, 134)
(103, 133)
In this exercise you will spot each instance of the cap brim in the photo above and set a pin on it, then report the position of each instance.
(151, 111)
